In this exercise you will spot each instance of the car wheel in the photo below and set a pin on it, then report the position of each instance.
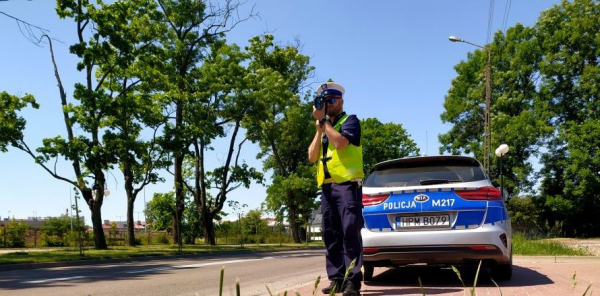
(368, 271)
(502, 272)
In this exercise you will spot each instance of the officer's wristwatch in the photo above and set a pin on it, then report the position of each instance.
(322, 121)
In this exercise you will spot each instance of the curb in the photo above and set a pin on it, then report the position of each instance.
(553, 259)
(25, 266)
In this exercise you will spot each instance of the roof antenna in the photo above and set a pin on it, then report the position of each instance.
(424, 153)
(426, 144)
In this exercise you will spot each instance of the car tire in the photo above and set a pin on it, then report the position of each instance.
(368, 271)
(502, 272)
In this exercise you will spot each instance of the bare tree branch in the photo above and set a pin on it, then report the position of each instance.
(23, 146)
(29, 30)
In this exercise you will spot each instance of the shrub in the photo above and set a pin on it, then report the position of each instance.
(524, 213)
(15, 234)
(161, 238)
(53, 241)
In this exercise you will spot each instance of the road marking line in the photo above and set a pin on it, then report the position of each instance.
(214, 263)
(53, 280)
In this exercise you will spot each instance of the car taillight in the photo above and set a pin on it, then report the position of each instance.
(483, 193)
(373, 200)
(369, 251)
(483, 248)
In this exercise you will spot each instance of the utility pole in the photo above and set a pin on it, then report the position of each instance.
(488, 99)
(78, 226)
(71, 207)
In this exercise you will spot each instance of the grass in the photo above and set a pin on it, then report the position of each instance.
(72, 254)
(544, 247)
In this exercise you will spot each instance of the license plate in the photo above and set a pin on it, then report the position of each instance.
(423, 221)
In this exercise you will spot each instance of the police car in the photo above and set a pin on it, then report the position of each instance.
(438, 210)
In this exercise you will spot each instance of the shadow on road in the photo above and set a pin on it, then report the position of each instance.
(444, 280)
(41, 278)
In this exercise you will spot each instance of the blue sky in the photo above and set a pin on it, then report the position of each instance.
(393, 58)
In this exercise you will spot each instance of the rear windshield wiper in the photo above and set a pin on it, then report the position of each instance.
(438, 181)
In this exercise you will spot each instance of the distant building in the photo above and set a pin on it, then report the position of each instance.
(273, 224)
(316, 225)
(32, 222)
(121, 226)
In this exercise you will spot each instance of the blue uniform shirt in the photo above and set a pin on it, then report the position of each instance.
(350, 129)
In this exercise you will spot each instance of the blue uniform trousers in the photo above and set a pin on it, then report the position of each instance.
(341, 207)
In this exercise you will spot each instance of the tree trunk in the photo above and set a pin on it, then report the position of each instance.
(209, 229)
(128, 174)
(130, 222)
(177, 215)
(99, 238)
(294, 227)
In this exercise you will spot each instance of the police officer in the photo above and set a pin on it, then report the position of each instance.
(336, 147)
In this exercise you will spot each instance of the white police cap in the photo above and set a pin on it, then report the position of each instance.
(330, 89)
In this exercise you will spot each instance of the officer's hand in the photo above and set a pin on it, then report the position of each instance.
(318, 114)
(320, 128)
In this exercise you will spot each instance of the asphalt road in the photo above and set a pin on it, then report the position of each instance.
(280, 271)
(295, 271)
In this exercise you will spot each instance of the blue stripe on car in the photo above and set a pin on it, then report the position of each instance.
(465, 219)
(496, 213)
(470, 213)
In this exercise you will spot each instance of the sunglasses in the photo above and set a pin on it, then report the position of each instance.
(331, 100)
(319, 101)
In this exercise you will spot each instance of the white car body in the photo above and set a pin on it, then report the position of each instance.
(449, 215)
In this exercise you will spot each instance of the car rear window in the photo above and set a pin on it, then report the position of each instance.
(415, 173)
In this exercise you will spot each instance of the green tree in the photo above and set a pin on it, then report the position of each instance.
(225, 228)
(570, 75)
(11, 124)
(134, 107)
(384, 141)
(246, 90)
(545, 90)
(524, 213)
(192, 28)
(284, 131)
(227, 101)
(515, 119)
(254, 224)
(97, 45)
(238, 225)
(62, 225)
(578, 201)
(159, 211)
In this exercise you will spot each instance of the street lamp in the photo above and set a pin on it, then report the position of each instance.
(488, 97)
(500, 152)
(106, 192)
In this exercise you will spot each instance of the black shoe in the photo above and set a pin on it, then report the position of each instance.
(351, 289)
(327, 290)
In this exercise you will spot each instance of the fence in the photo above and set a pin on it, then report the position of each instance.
(35, 237)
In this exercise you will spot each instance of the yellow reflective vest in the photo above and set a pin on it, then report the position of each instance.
(343, 165)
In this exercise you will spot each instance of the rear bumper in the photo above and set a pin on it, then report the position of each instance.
(438, 246)
(457, 255)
